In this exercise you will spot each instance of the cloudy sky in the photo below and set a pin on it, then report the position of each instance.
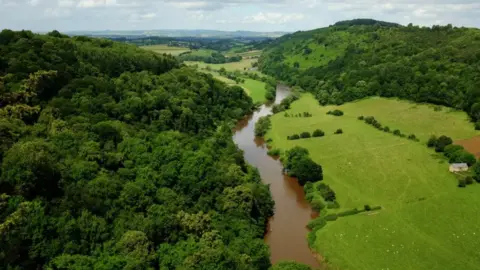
(257, 15)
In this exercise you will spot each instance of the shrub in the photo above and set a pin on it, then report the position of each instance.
(386, 129)
(274, 152)
(293, 137)
(367, 208)
(361, 117)
(349, 213)
(299, 164)
(412, 137)
(462, 183)
(339, 131)
(432, 142)
(333, 205)
(318, 133)
(335, 113)
(307, 114)
(317, 223)
(468, 180)
(262, 126)
(442, 142)
(317, 205)
(331, 217)
(326, 192)
(397, 132)
(305, 135)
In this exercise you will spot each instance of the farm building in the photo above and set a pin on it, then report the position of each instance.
(458, 167)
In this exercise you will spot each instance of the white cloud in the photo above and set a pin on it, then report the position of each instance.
(66, 3)
(273, 18)
(33, 2)
(96, 3)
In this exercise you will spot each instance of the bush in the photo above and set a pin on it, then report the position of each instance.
(339, 131)
(317, 205)
(333, 205)
(317, 223)
(397, 132)
(293, 137)
(442, 142)
(331, 217)
(412, 137)
(361, 117)
(367, 208)
(349, 213)
(318, 133)
(432, 142)
(335, 113)
(274, 152)
(262, 126)
(299, 164)
(305, 135)
(468, 180)
(462, 183)
(386, 129)
(477, 125)
(326, 192)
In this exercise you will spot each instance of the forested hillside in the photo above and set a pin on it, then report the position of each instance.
(354, 59)
(113, 157)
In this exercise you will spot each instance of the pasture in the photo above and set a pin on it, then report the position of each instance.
(242, 65)
(161, 49)
(426, 221)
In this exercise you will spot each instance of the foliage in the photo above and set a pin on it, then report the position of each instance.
(335, 112)
(305, 135)
(355, 59)
(298, 164)
(457, 154)
(113, 157)
(326, 192)
(262, 126)
(318, 133)
(338, 131)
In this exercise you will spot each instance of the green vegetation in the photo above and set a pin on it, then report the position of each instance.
(262, 126)
(356, 59)
(424, 220)
(242, 65)
(209, 57)
(255, 89)
(114, 157)
(161, 49)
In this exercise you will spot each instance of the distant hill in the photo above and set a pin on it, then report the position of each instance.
(177, 33)
(354, 59)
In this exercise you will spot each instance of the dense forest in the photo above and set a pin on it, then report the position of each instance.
(117, 158)
(355, 59)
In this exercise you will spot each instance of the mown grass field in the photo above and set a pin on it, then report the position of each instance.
(166, 49)
(426, 221)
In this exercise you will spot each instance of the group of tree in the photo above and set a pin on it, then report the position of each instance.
(112, 157)
(297, 163)
(305, 135)
(304, 114)
(437, 64)
(335, 113)
(214, 58)
(287, 102)
(262, 126)
(374, 122)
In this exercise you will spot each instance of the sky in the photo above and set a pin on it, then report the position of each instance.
(254, 15)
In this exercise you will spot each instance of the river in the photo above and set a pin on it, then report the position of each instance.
(287, 231)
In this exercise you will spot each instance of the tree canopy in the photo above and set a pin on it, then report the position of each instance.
(117, 158)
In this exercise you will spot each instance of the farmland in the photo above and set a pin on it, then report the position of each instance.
(425, 220)
(242, 65)
(166, 49)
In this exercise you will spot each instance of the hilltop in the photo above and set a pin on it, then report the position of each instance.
(354, 59)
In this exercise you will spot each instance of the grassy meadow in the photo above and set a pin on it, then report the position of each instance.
(166, 49)
(255, 89)
(242, 65)
(426, 221)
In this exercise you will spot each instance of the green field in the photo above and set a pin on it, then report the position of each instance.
(242, 65)
(426, 221)
(255, 89)
(166, 49)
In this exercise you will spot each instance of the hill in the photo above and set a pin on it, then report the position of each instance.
(355, 59)
(114, 157)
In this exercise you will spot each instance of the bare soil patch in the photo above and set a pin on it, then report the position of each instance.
(472, 145)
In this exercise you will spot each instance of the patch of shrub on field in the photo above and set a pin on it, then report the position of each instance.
(335, 113)
(274, 152)
(361, 117)
(439, 143)
(299, 164)
(285, 103)
(339, 131)
(293, 137)
(317, 223)
(262, 126)
(317, 205)
(305, 135)
(333, 205)
(458, 154)
(469, 180)
(462, 183)
(318, 133)
(304, 114)
(386, 129)
(326, 192)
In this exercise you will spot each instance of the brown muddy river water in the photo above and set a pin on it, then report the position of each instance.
(287, 229)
